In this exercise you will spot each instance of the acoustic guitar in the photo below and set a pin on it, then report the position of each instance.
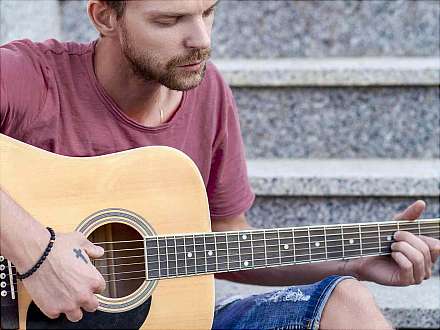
(148, 209)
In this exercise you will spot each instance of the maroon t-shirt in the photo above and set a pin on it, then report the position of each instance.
(51, 98)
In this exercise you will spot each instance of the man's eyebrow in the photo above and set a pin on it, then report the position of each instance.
(157, 13)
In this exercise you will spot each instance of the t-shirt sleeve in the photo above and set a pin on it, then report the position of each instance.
(23, 87)
(229, 190)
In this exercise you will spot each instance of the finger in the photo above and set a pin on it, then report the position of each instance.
(414, 256)
(74, 315)
(91, 305)
(99, 285)
(412, 212)
(434, 247)
(406, 268)
(419, 245)
(92, 250)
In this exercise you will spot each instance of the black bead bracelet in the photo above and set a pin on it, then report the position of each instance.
(42, 258)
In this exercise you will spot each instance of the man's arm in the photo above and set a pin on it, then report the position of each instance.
(63, 283)
(410, 262)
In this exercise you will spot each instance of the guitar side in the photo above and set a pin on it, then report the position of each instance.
(159, 183)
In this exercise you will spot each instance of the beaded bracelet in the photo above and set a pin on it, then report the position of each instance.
(42, 258)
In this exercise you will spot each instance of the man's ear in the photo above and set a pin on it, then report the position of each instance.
(102, 17)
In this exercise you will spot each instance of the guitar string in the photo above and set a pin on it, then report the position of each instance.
(253, 241)
(250, 267)
(226, 270)
(265, 231)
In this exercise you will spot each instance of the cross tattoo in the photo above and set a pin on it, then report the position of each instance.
(79, 254)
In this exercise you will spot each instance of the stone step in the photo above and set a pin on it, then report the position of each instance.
(308, 192)
(340, 122)
(409, 307)
(331, 72)
(301, 192)
(345, 177)
(273, 29)
(263, 29)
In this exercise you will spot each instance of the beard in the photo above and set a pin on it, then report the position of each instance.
(148, 67)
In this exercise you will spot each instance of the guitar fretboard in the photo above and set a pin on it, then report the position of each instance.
(192, 254)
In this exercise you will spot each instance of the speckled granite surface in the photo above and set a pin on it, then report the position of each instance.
(416, 306)
(36, 20)
(345, 177)
(261, 29)
(340, 122)
(340, 71)
(273, 212)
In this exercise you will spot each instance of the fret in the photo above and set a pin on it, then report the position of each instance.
(380, 238)
(310, 250)
(360, 237)
(334, 242)
(211, 253)
(151, 252)
(294, 247)
(286, 246)
(189, 255)
(325, 242)
(227, 252)
(163, 256)
(418, 226)
(172, 255)
(265, 248)
(200, 254)
(252, 248)
(279, 245)
(272, 247)
(317, 243)
(259, 248)
(245, 248)
(302, 245)
(158, 254)
(222, 252)
(370, 239)
(343, 246)
(204, 248)
(233, 250)
(351, 242)
(166, 252)
(181, 256)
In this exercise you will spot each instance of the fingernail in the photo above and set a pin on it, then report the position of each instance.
(396, 234)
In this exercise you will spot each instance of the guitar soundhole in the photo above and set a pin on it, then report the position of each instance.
(123, 263)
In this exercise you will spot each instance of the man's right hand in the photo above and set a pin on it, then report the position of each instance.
(67, 280)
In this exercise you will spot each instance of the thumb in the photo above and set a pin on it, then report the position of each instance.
(412, 212)
(93, 251)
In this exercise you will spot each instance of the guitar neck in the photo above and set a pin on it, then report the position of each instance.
(206, 253)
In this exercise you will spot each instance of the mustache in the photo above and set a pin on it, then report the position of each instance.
(197, 55)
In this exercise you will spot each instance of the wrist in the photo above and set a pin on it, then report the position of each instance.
(350, 268)
(31, 249)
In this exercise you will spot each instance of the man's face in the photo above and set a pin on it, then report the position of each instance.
(161, 38)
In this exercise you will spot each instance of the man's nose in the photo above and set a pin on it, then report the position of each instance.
(199, 35)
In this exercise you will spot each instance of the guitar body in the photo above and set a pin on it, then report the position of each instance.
(150, 190)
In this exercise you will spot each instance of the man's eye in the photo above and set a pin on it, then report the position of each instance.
(167, 22)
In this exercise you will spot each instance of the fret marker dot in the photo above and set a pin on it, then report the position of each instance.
(2, 267)
(286, 246)
(351, 241)
(2, 258)
(246, 263)
(189, 254)
(244, 236)
(209, 253)
(388, 238)
(4, 293)
(2, 276)
(3, 284)
(317, 244)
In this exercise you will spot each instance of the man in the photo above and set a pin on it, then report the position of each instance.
(146, 81)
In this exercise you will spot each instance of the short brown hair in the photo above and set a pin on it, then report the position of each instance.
(118, 6)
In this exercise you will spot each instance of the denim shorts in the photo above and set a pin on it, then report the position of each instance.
(295, 307)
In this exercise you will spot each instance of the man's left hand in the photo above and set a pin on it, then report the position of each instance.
(411, 260)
